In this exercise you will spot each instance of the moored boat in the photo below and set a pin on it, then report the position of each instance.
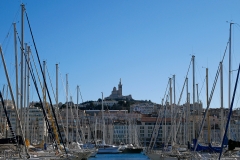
(108, 149)
(129, 148)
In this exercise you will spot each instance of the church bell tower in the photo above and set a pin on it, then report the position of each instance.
(120, 88)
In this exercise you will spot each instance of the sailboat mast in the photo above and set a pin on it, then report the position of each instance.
(103, 121)
(207, 105)
(44, 95)
(221, 99)
(25, 89)
(229, 75)
(14, 104)
(72, 117)
(174, 104)
(197, 124)
(16, 67)
(77, 114)
(16, 61)
(193, 63)
(230, 112)
(170, 90)
(22, 54)
(207, 86)
(57, 89)
(28, 94)
(95, 136)
(129, 131)
(25, 76)
(165, 123)
(67, 107)
(6, 120)
(44, 87)
(197, 93)
(126, 128)
(187, 115)
(2, 120)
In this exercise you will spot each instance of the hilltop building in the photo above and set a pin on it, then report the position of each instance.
(117, 94)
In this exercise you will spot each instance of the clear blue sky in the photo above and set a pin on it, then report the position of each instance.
(142, 42)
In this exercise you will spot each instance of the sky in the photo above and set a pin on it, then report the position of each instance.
(142, 42)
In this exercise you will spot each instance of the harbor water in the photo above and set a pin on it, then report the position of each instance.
(121, 156)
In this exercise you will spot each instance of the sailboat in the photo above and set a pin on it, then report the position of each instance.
(171, 151)
(231, 144)
(74, 147)
(10, 143)
(130, 148)
(104, 148)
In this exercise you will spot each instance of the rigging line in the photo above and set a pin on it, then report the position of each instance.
(60, 116)
(44, 79)
(16, 111)
(73, 93)
(178, 87)
(64, 85)
(65, 89)
(80, 94)
(237, 101)
(184, 83)
(37, 72)
(51, 83)
(76, 122)
(237, 24)
(92, 136)
(189, 68)
(225, 51)
(206, 110)
(230, 112)
(218, 93)
(11, 68)
(233, 51)
(7, 36)
(11, 26)
(198, 70)
(166, 91)
(1, 119)
(180, 97)
(8, 39)
(35, 84)
(29, 67)
(199, 94)
(7, 43)
(33, 63)
(9, 122)
(202, 86)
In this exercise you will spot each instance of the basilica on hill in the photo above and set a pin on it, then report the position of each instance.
(117, 94)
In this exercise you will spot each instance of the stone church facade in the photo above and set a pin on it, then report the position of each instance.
(117, 94)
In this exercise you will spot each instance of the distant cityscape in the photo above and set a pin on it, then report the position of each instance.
(125, 119)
